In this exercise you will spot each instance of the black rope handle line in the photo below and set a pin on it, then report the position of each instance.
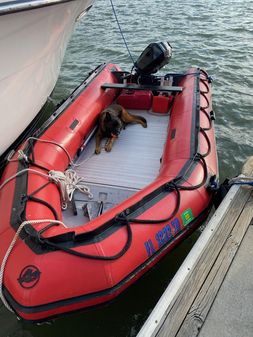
(208, 142)
(33, 163)
(202, 161)
(203, 81)
(40, 188)
(48, 242)
(203, 72)
(43, 202)
(203, 109)
(171, 186)
(32, 142)
(90, 256)
(209, 119)
(207, 101)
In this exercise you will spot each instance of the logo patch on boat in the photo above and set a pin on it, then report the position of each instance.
(29, 277)
(187, 216)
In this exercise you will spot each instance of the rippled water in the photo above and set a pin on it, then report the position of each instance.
(215, 35)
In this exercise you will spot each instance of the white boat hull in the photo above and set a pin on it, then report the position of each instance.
(32, 44)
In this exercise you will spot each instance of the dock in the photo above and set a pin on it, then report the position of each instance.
(212, 292)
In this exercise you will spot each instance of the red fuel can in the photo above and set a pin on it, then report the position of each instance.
(131, 99)
(161, 103)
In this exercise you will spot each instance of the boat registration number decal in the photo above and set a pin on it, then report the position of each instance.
(168, 232)
(163, 236)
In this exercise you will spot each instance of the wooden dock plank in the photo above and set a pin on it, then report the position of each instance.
(231, 312)
(167, 317)
(190, 290)
(203, 302)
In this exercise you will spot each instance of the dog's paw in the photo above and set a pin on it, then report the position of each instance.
(145, 124)
(108, 148)
(97, 151)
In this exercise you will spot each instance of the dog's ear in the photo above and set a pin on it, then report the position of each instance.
(108, 116)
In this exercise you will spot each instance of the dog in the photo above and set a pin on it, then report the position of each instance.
(111, 121)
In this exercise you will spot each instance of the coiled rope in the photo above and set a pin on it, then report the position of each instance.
(68, 182)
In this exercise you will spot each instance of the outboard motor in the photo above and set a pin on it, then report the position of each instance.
(153, 58)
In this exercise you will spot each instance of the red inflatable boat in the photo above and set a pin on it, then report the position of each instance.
(79, 228)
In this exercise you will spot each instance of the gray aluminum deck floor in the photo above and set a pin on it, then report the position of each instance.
(134, 161)
(114, 176)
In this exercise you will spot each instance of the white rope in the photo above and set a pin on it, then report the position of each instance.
(19, 173)
(68, 182)
(71, 162)
(21, 155)
(241, 180)
(8, 252)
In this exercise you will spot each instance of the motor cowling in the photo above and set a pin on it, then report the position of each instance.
(154, 57)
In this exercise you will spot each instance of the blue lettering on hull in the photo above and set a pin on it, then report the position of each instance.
(163, 236)
(149, 247)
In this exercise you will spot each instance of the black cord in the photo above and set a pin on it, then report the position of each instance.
(40, 188)
(31, 162)
(43, 202)
(206, 85)
(172, 186)
(208, 142)
(209, 119)
(207, 101)
(195, 187)
(94, 257)
(72, 251)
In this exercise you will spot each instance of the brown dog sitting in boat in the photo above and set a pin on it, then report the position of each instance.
(111, 121)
